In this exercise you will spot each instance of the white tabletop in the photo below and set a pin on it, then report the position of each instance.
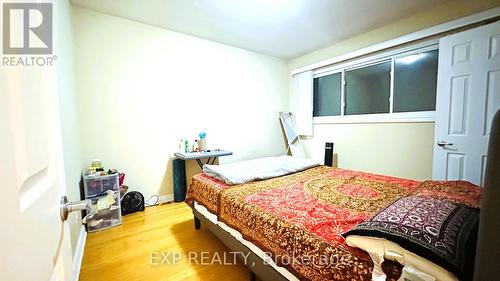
(200, 155)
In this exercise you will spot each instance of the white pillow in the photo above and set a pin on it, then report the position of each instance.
(391, 251)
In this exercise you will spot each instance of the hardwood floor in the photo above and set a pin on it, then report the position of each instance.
(133, 251)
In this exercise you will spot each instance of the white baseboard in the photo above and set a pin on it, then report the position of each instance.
(78, 255)
(165, 198)
(162, 199)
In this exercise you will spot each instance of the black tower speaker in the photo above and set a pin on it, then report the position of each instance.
(329, 154)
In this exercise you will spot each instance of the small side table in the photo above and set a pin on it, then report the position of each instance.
(179, 168)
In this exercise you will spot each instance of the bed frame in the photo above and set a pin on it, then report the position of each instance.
(255, 263)
(488, 245)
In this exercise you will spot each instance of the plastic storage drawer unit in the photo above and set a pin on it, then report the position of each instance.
(98, 185)
(108, 217)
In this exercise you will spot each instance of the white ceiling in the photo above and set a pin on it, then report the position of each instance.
(281, 28)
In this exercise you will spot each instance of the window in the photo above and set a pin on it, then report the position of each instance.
(399, 84)
(415, 80)
(367, 89)
(326, 95)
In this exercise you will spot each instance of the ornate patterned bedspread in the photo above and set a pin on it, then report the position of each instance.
(298, 219)
(206, 191)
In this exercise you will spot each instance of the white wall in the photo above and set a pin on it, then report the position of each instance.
(68, 112)
(397, 149)
(142, 88)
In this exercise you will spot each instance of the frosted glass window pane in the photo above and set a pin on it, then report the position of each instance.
(327, 91)
(367, 89)
(415, 82)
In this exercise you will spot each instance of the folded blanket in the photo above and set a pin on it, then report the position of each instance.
(258, 169)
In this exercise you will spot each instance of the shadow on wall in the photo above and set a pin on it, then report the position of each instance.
(307, 151)
(166, 188)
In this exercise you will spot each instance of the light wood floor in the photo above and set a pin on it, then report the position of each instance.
(124, 252)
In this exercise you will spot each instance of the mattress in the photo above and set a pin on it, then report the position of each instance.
(298, 219)
(206, 191)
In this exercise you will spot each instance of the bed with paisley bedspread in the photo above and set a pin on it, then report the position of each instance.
(299, 218)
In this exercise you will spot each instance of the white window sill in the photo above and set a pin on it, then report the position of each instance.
(403, 117)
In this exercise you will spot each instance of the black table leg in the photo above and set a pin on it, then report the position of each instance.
(197, 223)
(210, 161)
(213, 160)
(199, 163)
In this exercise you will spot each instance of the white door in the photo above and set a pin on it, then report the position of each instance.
(34, 243)
(468, 95)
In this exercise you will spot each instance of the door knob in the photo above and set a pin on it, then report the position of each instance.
(442, 143)
(67, 207)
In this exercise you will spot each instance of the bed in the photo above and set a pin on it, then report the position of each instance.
(295, 222)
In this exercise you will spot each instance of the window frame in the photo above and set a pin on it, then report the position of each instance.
(391, 117)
